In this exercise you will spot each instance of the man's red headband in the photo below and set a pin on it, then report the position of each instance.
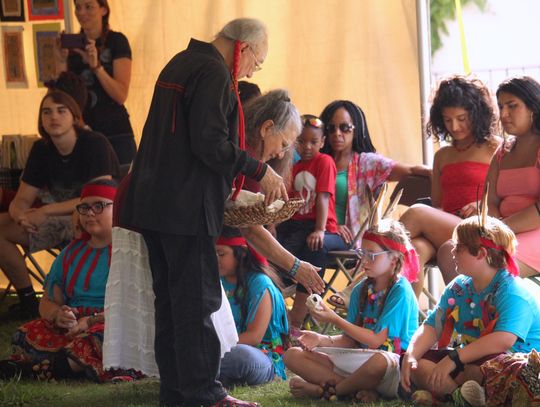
(103, 191)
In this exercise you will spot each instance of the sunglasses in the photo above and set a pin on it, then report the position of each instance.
(312, 122)
(343, 127)
(97, 207)
(370, 256)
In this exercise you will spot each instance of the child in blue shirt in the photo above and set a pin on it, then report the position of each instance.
(483, 312)
(383, 315)
(259, 313)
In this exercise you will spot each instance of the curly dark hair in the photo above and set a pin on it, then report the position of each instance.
(469, 94)
(528, 90)
(361, 139)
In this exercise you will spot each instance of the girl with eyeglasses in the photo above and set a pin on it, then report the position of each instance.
(359, 167)
(66, 342)
(363, 361)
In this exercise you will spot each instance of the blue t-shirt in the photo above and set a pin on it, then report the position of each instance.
(80, 254)
(399, 314)
(257, 285)
(505, 298)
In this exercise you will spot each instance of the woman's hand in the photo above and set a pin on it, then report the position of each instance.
(315, 240)
(324, 315)
(409, 363)
(440, 374)
(345, 233)
(89, 54)
(35, 217)
(308, 276)
(273, 187)
(309, 340)
(468, 210)
(65, 317)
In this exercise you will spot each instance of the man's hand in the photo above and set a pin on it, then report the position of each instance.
(273, 187)
(308, 276)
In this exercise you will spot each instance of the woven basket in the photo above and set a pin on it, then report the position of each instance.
(257, 215)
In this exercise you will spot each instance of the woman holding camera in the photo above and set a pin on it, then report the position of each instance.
(102, 58)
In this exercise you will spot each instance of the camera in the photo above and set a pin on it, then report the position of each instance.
(73, 41)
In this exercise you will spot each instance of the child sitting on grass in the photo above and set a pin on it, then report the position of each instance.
(363, 362)
(312, 232)
(484, 312)
(259, 313)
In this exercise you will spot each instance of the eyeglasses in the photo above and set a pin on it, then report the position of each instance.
(97, 207)
(343, 127)
(312, 121)
(258, 65)
(369, 256)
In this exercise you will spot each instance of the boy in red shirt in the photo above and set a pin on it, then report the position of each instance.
(312, 232)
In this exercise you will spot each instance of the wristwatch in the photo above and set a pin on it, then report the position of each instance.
(454, 356)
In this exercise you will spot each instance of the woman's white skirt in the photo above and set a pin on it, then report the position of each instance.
(129, 309)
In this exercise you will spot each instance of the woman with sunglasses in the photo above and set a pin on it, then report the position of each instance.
(359, 168)
(66, 342)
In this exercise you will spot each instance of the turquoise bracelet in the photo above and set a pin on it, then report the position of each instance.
(294, 268)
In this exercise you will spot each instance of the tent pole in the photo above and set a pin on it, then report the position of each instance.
(424, 70)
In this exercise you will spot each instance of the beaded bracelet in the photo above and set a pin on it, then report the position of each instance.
(294, 268)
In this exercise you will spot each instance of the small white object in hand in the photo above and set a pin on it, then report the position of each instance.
(248, 198)
(314, 301)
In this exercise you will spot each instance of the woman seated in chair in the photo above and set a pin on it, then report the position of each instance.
(461, 112)
(359, 168)
(58, 166)
(514, 173)
(67, 341)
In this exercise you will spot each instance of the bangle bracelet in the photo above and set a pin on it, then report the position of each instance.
(295, 267)
(537, 208)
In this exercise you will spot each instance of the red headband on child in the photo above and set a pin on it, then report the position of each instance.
(511, 264)
(410, 264)
(240, 241)
(103, 191)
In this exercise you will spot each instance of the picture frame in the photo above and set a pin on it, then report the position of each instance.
(45, 10)
(13, 50)
(45, 37)
(11, 10)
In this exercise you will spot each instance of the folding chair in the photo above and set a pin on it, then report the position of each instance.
(36, 272)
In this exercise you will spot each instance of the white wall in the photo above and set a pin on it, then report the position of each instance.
(501, 39)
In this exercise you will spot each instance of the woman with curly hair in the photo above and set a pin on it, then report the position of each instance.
(462, 112)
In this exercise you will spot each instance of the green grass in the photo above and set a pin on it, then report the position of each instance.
(141, 393)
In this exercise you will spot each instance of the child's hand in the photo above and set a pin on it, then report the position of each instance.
(325, 314)
(65, 317)
(309, 340)
(440, 374)
(409, 363)
(315, 240)
(345, 233)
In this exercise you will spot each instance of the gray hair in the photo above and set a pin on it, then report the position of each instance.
(276, 106)
(248, 30)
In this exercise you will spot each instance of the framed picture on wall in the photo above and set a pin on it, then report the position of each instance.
(14, 69)
(45, 10)
(11, 10)
(45, 37)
